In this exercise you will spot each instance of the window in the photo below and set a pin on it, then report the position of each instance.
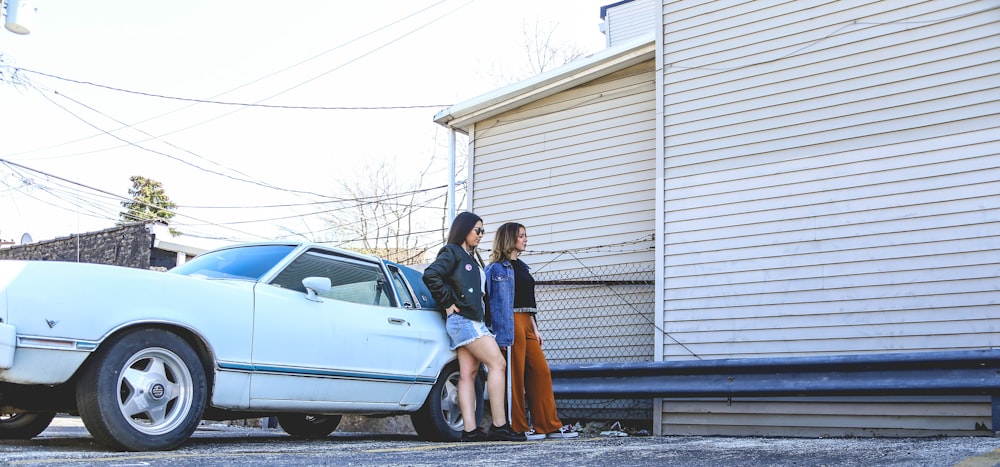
(402, 289)
(352, 280)
(246, 262)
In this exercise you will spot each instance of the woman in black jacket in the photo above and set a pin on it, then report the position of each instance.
(457, 282)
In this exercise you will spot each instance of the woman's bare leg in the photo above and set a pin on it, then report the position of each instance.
(485, 350)
(468, 368)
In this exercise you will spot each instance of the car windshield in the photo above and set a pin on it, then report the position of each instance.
(248, 262)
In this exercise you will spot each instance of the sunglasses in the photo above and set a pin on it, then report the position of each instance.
(479, 230)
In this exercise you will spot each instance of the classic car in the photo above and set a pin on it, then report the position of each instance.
(299, 331)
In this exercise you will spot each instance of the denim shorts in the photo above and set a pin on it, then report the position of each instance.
(462, 331)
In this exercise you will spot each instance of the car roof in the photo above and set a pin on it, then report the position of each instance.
(301, 245)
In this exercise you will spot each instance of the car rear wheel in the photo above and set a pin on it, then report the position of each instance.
(24, 425)
(308, 426)
(143, 391)
(440, 418)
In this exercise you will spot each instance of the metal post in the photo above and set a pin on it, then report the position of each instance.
(995, 406)
(451, 175)
(509, 388)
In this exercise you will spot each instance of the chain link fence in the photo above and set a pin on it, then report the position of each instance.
(600, 314)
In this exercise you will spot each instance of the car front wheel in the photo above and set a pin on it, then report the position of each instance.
(440, 418)
(143, 391)
(24, 425)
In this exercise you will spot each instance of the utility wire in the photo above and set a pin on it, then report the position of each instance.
(161, 153)
(344, 44)
(178, 222)
(328, 198)
(9, 163)
(240, 104)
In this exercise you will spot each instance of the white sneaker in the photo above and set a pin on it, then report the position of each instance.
(566, 431)
(533, 436)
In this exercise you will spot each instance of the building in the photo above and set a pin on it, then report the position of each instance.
(796, 179)
(145, 245)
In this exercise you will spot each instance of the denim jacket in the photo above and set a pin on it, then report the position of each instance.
(500, 289)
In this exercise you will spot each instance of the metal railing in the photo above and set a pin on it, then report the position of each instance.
(967, 372)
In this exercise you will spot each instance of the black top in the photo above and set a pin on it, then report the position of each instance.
(524, 286)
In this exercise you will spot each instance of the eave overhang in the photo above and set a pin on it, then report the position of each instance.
(464, 114)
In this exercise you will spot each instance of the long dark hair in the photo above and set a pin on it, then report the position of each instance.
(463, 224)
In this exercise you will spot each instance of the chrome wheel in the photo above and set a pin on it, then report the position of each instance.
(154, 391)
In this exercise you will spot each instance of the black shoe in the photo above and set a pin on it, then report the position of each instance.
(505, 433)
(474, 436)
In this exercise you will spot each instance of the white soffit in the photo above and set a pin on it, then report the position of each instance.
(462, 115)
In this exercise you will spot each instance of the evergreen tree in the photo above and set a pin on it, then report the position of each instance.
(149, 203)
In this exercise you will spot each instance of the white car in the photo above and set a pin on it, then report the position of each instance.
(300, 331)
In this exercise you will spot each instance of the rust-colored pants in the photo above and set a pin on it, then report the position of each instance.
(530, 377)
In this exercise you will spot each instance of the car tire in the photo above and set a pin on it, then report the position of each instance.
(24, 425)
(308, 426)
(440, 418)
(144, 390)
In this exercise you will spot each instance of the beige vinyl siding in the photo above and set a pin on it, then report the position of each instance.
(578, 169)
(815, 417)
(629, 20)
(834, 188)
(831, 186)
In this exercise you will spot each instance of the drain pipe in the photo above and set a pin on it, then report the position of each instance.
(451, 175)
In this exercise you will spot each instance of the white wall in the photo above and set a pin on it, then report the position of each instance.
(832, 186)
(575, 168)
(832, 177)
(578, 170)
(629, 20)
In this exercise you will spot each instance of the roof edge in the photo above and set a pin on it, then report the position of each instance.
(605, 62)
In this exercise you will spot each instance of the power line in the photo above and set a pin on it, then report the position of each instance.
(240, 104)
(95, 210)
(169, 156)
(9, 163)
(20, 79)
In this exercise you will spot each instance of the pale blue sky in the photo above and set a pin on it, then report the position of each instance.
(316, 53)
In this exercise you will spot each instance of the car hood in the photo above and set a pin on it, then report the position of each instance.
(86, 301)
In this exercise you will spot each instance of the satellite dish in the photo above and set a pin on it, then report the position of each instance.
(20, 16)
(26, 238)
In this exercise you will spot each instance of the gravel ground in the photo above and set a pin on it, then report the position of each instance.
(66, 442)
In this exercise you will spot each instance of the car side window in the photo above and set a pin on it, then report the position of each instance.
(403, 290)
(352, 280)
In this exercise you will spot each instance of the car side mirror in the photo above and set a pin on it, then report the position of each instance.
(316, 285)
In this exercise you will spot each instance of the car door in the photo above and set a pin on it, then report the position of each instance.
(423, 312)
(346, 346)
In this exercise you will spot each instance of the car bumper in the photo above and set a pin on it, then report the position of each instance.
(39, 361)
(8, 340)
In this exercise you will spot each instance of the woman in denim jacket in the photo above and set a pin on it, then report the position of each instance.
(457, 282)
(511, 292)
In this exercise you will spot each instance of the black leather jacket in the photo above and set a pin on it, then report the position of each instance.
(454, 279)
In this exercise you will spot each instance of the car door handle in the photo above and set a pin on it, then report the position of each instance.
(398, 321)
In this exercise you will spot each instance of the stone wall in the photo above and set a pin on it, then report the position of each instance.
(127, 245)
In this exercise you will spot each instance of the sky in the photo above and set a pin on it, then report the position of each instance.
(108, 89)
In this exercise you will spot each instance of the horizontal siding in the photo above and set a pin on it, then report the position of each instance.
(831, 186)
(630, 20)
(832, 177)
(578, 169)
(821, 417)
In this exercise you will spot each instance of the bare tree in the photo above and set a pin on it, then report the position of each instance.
(543, 51)
(386, 215)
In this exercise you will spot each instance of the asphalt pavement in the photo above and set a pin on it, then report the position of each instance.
(67, 442)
